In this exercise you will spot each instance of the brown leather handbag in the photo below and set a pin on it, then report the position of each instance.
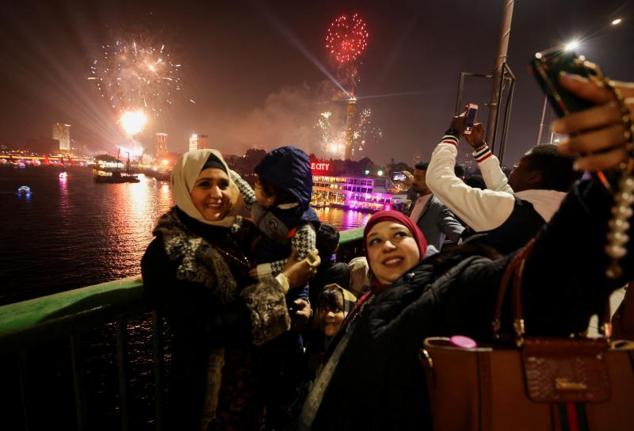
(538, 384)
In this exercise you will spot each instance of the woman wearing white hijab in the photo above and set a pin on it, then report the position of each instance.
(196, 270)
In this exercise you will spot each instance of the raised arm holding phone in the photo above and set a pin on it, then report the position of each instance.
(509, 212)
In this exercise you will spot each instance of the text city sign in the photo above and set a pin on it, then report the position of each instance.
(319, 166)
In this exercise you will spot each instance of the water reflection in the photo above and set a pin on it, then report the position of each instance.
(62, 179)
(164, 194)
(343, 219)
(72, 232)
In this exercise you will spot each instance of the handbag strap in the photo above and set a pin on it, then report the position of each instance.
(513, 274)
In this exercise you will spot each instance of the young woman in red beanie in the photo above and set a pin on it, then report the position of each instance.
(372, 379)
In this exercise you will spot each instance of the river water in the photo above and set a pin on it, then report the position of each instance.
(71, 232)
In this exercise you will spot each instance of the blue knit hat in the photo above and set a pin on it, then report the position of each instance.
(288, 169)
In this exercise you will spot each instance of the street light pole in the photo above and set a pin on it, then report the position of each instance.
(505, 35)
(541, 123)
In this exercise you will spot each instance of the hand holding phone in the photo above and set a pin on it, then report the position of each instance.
(579, 88)
(595, 154)
(476, 138)
(398, 177)
(547, 67)
(471, 113)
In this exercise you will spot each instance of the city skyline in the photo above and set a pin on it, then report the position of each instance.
(254, 74)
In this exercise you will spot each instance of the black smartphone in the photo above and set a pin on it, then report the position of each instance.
(472, 111)
(398, 176)
(547, 65)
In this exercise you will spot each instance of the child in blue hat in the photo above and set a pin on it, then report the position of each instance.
(280, 207)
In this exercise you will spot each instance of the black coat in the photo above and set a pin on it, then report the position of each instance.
(378, 383)
(200, 323)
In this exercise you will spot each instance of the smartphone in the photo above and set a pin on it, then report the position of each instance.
(547, 65)
(398, 176)
(472, 111)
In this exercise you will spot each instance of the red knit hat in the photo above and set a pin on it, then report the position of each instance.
(400, 218)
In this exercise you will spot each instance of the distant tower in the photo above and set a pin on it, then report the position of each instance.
(61, 133)
(161, 143)
(198, 142)
(351, 118)
(193, 142)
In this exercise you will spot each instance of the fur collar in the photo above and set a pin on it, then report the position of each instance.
(197, 260)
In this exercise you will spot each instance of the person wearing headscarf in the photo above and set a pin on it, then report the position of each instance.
(356, 371)
(196, 271)
(372, 378)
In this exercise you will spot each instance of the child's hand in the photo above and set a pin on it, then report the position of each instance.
(298, 272)
(300, 315)
(253, 273)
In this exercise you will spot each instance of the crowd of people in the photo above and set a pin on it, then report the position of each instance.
(271, 332)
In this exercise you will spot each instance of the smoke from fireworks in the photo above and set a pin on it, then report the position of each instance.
(133, 75)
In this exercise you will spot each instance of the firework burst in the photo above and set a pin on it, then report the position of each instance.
(135, 74)
(347, 38)
(365, 133)
(332, 132)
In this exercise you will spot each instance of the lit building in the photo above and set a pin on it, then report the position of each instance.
(61, 133)
(161, 143)
(363, 193)
(198, 142)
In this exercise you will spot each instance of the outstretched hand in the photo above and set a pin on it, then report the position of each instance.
(597, 135)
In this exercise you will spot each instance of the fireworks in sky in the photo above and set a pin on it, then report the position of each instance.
(332, 134)
(347, 38)
(133, 122)
(346, 41)
(365, 133)
(136, 75)
(332, 130)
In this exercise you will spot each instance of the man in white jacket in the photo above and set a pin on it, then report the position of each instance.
(510, 211)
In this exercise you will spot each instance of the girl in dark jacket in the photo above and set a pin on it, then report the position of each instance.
(196, 270)
(372, 379)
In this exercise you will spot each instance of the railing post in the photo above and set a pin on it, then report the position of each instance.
(121, 332)
(157, 355)
(26, 408)
(78, 382)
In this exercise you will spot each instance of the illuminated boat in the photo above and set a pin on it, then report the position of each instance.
(113, 177)
(110, 170)
(361, 193)
(24, 191)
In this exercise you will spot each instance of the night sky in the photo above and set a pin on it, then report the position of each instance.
(247, 66)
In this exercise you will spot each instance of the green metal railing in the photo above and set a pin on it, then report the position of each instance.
(27, 324)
